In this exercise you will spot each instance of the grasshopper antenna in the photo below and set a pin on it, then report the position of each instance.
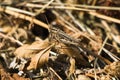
(49, 29)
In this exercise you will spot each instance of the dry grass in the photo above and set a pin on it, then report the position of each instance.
(59, 40)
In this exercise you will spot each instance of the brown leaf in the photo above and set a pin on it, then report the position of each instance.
(27, 51)
(4, 75)
(94, 41)
(40, 58)
(72, 51)
(7, 76)
(17, 77)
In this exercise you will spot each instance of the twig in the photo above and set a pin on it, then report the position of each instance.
(59, 78)
(94, 2)
(105, 41)
(82, 27)
(85, 6)
(70, 26)
(12, 39)
(100, 50)
(25, 17)
(114, 57)
(20, 11)
(45, 6)
(69, 13)
(95, 63)
(56, 7)
(104, 17)
(110, 33)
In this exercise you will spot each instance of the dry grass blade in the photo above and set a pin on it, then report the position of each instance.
(25, 17)
(45, 6)
(57, 7)
(114, 57)
(70, 26)
(82, 41)
(59, 78)
(11, 38)
(20, 11)
(104, 17)
(85, 6)
(95, 63)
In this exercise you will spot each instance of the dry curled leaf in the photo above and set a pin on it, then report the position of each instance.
(27, 51)
(40, 58)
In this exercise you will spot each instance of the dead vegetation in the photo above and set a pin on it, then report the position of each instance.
(59, 40)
